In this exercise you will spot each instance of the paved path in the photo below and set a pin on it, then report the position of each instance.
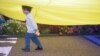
(59, 46)
(6, 44)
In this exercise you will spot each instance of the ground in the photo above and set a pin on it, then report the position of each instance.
(58, 46)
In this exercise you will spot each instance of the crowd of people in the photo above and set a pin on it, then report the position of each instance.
(79, 29)
(85, 29)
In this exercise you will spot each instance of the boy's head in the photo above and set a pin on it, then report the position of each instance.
(26, 9)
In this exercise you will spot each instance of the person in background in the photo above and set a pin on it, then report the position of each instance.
(2, 20)
(32, 30)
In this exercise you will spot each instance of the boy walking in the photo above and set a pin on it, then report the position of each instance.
(32, 30)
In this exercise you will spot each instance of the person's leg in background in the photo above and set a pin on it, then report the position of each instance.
(36, 41)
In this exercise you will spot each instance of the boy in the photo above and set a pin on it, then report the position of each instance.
(32, 30)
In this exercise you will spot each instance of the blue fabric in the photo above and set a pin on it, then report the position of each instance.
(94, 38)
(34, 38)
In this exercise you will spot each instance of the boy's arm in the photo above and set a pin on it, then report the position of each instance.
(21, 21)
(32, 19)
(37, 32)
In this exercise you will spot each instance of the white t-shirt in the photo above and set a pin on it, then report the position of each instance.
(30, 23)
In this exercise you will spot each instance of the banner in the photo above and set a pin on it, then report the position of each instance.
(55, 12)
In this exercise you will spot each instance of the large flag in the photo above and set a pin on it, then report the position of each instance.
(55, 12)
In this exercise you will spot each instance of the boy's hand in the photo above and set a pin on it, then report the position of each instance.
(37, 33)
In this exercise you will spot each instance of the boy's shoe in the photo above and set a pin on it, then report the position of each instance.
(38, 48)
(26, 49)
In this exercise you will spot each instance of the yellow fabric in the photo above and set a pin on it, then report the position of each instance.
(55, 12)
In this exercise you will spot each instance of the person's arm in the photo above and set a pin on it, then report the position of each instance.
(37, 33)
(35, 26)
(36, 30)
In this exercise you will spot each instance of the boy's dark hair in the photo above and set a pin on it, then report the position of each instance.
(24, 7)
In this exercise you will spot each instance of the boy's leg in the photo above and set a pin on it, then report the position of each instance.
(36, 40)
(27, 40)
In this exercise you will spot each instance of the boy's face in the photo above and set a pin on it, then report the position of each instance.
(25, 11)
